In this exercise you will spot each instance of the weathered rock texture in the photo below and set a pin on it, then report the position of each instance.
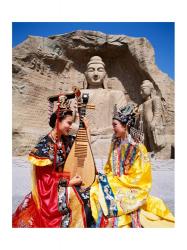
(47, 66)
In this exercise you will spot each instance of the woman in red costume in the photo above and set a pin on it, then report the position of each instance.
(54, 201)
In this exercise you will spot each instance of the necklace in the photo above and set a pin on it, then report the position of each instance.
(53, 139)
(123, 155)
(59, 143)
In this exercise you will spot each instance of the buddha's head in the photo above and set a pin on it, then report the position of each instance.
(146, 89)
(95, 73)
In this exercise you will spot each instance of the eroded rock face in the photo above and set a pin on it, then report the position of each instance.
(48, 66)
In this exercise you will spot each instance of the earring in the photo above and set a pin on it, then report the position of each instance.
(126, 132)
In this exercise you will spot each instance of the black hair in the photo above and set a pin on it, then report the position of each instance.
(62, 115)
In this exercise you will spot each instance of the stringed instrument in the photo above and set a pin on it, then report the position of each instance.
(80, 159)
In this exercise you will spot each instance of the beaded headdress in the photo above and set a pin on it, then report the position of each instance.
(126, 114)
(63, 103)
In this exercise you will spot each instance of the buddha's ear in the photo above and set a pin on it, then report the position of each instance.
(85, 83)
(105, 82)
(153, 92)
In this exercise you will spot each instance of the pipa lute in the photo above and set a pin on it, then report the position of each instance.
(80, 159)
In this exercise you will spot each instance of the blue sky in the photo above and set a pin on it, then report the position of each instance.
(160, 34)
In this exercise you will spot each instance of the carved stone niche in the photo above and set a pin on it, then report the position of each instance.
(51, 65)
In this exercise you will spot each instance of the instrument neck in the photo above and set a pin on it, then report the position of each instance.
(82, 114)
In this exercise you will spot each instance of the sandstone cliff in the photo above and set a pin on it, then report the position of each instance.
(46, 66)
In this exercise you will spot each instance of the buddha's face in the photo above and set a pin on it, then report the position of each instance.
(145, 91)
(95, 74)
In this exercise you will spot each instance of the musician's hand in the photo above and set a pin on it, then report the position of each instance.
(76, 180)
(86, 122)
